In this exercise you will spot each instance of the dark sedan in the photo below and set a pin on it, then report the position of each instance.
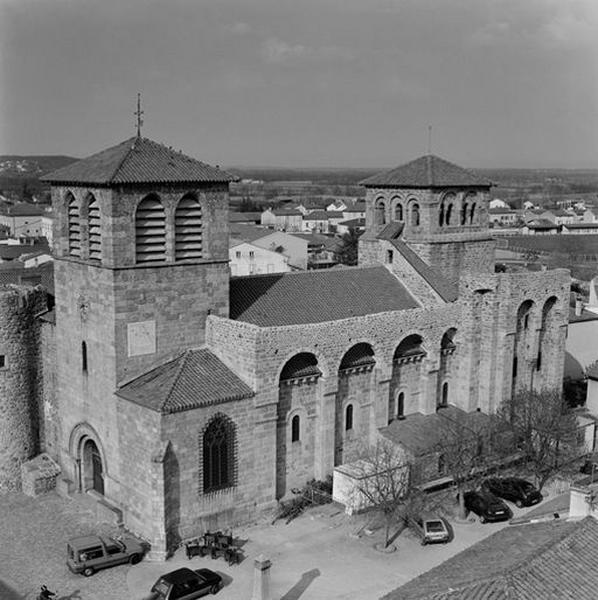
(185, 584)
(514, 489)
(488, 507)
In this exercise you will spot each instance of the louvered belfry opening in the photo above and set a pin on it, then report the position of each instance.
(95, 234)
(150, 231)
(74, 227)
(188, 229)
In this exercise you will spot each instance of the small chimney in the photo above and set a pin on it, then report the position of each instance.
(578, 306)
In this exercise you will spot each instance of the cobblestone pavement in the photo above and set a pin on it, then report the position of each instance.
(323, 554)
(33, 535)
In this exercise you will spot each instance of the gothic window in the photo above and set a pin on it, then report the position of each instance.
(84, 357)
(74, 226)
(218, 455)
(349, 417)
(188, 229)
(295, 429)
(150, 231)
(415, 214)
(95, 234)
(401, 405)
(380, 216)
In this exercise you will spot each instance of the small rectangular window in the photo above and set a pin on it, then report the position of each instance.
(2, 361)
(389, 256)
(238, 254)
(251, 254)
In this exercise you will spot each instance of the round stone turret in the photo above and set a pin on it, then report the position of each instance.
(19, 349)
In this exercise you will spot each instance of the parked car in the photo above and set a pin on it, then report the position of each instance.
(185, 584)
(517, 490)
(487, 506)
(433, 529)
(91, 553)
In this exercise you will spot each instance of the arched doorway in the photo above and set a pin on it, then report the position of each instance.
(92, 470)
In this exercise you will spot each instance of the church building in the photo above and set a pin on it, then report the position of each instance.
(191, 399)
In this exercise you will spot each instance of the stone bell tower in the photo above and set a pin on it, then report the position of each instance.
(441, 211)
(141, 258)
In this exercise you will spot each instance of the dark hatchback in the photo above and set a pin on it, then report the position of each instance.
(514, 489)
(488, 507)
(185, 584)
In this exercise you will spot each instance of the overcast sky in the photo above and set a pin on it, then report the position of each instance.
(504, 83)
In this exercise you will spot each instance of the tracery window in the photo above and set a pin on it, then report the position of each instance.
(218, 455)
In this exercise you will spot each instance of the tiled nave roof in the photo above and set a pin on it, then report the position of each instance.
(316, 296)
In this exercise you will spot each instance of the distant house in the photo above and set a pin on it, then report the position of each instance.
(321, 250)
(355, 212)
(505, 216)
(560, 216)
(245, 217)
(528, 205)
(293, 245)
(540, 227)
(551, 559)
(581, 228)
(498, 203)
(316, 221)
(47, 225)
(282, 219)
(250, 259)
(590, 215)
(23, 219)
(337, 205)
(346, 226)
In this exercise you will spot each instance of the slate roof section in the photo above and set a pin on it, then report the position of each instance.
(421, 433)
(446, 289)
(426, 172)
(550, 560)
(316, 296)
(195, 378)
(138, 160)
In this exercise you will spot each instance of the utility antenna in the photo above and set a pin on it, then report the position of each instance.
(429, 139)
(139, 114)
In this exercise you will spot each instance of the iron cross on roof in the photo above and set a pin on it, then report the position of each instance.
(139, 114)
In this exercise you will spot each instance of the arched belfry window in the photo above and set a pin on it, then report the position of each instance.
(472, 213)
(449, 214)
(95, 232)
(74, 226)
(415, 214)
(464, 213)
(188, 229)
(399, 212)
(150, 231)
(218, 454)
(380, 213)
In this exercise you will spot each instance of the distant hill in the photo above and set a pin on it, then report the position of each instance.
(33, 164)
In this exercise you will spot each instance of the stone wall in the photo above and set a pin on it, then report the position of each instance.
(19, 344)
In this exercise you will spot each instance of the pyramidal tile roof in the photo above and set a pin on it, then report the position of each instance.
(193, 379)
(426, 172)
(137, 160)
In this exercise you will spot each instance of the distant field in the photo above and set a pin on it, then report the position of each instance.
(582, 246)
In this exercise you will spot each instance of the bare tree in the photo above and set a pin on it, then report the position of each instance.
(545, 431)
(466, 448)
(384, 482)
